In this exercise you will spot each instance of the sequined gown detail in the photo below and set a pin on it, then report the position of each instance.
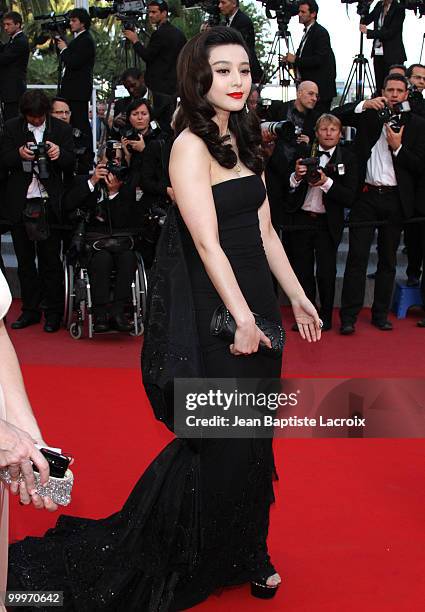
(195, 521)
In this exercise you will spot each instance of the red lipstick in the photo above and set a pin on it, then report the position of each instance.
(237, 95)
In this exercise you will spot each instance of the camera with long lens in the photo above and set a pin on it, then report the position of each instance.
(126, 11)
(283, 130)
(119, 170)
(53, 26)
(363, 6)
(208, 6)
(39, 150)
(390, 116)
(313, 164)
(283, 10)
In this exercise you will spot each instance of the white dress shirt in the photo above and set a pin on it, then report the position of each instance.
(314, 198)
(36, 189)
(380, 166)
(378, 47)
(229, 24)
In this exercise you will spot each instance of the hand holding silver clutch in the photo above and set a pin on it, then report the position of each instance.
(61, 479)
(58, 489)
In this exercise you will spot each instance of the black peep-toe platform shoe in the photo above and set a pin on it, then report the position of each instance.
(260, 588)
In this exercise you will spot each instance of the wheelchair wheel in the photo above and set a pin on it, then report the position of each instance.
(140, 329)
(141, 286)
(69, 294)
(76, 330)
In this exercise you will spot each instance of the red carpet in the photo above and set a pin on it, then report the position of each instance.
(347, 531)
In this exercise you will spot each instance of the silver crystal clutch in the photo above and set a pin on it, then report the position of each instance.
(58, 489)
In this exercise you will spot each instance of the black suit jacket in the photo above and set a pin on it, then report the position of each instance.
(310, 118)
(13, 68)
(161, 56)
(341, 195)
(391, 33)
(119, 210)
(154, 178)
(78, 59)
(15, 135)
(408, 164)
(243, 23)
(317, 61)
(283, 111)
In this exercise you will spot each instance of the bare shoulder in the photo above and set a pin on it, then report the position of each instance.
(191, 147)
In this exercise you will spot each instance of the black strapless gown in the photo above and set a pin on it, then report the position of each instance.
(195, 521)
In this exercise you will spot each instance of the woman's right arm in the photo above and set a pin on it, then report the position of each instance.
(18, 434)
(191, 182)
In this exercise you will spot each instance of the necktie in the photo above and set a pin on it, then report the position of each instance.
(324, 153)
(303, 39)
(227, 21)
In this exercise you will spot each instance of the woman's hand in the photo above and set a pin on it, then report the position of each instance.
(247, 339)
(17, 451)
(16, 447)
(136, 145)
(127, 151)
(309, 324)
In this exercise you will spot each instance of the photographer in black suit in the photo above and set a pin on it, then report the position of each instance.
(391, 155)
(109, 201)
(302, 113)
(387, 34)
(317, 200)
(237, 19)
(314, 59)
(36, 150)
(13, 65)
(160, 55)
(78, 59)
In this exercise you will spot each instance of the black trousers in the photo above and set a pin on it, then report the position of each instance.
(100, 267)
(412, 239)
(381, 69)
(80, 117)
(41, 284)
(372, 206)
(313, 255)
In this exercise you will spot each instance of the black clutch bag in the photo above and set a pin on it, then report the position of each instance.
(223, 325)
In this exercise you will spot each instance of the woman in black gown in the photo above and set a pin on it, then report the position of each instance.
(198, 517)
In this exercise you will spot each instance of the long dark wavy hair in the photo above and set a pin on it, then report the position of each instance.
(195, 77)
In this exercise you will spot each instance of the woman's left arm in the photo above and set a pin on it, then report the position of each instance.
(24, 428)
(18, 408)
(305, 313)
